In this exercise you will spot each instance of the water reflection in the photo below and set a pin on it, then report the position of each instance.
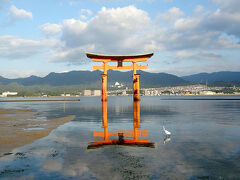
(166, 139)
(204, 142)
(125, 137)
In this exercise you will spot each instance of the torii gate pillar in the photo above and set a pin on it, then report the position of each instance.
(104, 87)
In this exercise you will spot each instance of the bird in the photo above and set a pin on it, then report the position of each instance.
(166, 131)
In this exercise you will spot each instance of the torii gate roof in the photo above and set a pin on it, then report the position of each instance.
(104, 57)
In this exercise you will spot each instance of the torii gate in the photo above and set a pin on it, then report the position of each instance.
(120, 59)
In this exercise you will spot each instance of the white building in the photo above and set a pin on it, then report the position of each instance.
(87, 92)
(5, 94)
(96, 93)
(207, 93)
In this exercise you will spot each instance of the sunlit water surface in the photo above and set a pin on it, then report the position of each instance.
(205, 141)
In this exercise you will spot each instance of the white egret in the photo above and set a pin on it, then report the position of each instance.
(166, 131)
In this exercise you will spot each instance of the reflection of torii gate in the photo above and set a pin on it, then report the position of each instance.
(134, 137)
(120, 59)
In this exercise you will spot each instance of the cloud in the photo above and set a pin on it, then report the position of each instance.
(20, 73)
(71, 56)
(197, 56)
(170, 16)
(229, 6)
(16, 13)
(72, 2)
(87, 12)
(188, 69)
(223, 20)
(51, 29)
(198, 9)
(130, 30)
(120, 30)
(12, 47)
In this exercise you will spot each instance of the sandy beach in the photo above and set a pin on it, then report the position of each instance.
(21, 126)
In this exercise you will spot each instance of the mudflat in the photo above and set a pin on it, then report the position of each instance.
(22, 126)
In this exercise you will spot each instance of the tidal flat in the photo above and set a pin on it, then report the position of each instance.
(21, 126)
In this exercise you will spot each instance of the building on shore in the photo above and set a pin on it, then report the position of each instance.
(207, 93)
(96, 93)
(87, 93)
(7, 93)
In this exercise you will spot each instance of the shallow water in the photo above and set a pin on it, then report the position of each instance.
(204, 143)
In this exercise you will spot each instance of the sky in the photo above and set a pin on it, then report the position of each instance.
(187, 37)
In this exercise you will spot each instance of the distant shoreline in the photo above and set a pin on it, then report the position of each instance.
(43, 99)
(16, 97)
(38, 100)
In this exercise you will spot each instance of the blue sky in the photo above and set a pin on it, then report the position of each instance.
(38, 37)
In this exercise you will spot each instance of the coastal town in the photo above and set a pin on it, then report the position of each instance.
(120, 89)
(169, 91)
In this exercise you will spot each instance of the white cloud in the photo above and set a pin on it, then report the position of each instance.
(21, 73)
(223, 20)
(72, 55)
(229, 5)
(171, 15)
(51, 29)
(12, 47)
(120, 30)
(87, 12)
(186, 24)
(188, 69)
(197, 56)
(16, 13)
(131, 30)
(198, 9)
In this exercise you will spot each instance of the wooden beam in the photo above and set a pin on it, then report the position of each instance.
(116, 60)
(118, 57)
(127, 133)
(123, 67)
(101, 60)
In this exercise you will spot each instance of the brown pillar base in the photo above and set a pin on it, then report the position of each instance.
(104, 99)
(136, 98)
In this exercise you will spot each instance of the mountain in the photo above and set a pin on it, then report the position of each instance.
(90, 77)
(146, 78)
(4, 80)
(222, 76)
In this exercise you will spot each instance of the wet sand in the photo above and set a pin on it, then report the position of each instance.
(21, 126)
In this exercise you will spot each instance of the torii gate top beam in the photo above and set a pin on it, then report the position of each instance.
(116, 58)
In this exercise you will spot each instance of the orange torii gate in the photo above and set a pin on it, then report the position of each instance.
(105, 59)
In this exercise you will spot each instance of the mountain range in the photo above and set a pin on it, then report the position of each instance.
(147, 79)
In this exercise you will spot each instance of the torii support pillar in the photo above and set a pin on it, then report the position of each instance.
(104, 120)
(104, 87)
(136, 88)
